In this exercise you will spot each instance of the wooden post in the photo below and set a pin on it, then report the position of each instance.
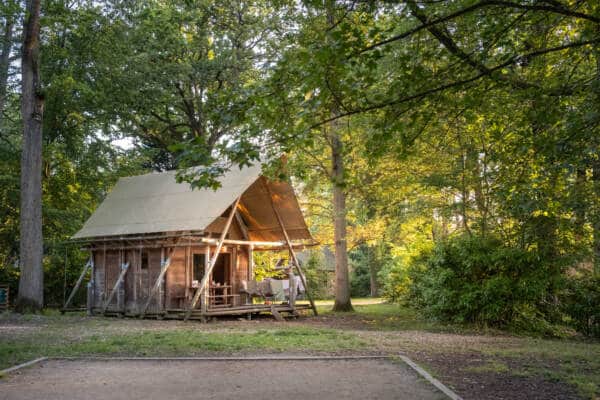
(160, 301)
(79, 281)
(124, 268)
(120, 292)
(91, 287)
(213, 261)
(164, 267)
(104, 276)
(291, 248)
(242, 226)
(204, 300)
(250, 275)
(292, 288)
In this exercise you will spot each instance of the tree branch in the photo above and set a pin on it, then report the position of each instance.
(482, 4)
(459, 83)
(442, 35)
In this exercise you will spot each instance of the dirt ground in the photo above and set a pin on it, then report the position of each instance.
(259, 379)
(477, 365)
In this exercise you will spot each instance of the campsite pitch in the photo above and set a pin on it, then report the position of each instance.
(225, 379)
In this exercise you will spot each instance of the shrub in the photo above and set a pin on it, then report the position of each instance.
(480, 280)
(581, 303)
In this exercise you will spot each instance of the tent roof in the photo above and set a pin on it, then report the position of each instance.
(156, 203)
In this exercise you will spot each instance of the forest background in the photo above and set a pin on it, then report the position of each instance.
(446, 151)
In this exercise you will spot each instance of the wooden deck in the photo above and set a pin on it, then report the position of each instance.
(245, 310)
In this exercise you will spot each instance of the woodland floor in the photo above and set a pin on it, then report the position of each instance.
(474, 363)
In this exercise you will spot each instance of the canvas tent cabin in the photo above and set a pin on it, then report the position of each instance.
(159, 248)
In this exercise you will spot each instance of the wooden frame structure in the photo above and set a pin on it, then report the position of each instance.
(195, 273)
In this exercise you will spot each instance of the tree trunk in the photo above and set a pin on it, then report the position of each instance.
(342, 278)
(596, 173)
(374, 286)
(31, 282)
(5, 63)
(580, 204)
(596, 215)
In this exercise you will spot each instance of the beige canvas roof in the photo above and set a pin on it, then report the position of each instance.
(156, 203)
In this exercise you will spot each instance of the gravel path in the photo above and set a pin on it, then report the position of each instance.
(280, 379)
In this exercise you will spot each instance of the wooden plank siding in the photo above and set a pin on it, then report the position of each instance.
(111, 274)
(99, 268)
(177, 290)
(133, 257)
(176, 279)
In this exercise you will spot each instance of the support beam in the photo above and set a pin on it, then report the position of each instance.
(213, 261)
(242, 225)
(290, 248)
(88, 264)
(91, 287)
(124, 269)
(247, 242)
(163, 270)
(292, 288)
(275, 313)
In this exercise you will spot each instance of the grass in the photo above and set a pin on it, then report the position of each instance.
(374, 327)
(58, 337)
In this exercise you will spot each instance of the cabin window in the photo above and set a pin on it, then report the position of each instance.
(199, 265)
(144, 264)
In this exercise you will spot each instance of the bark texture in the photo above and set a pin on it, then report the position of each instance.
(596, 215)
(374, 286)
(31, 282)
(342, 276)
(596, 173)
(5, 62)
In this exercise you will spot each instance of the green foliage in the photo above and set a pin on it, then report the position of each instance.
(480, 280)
(581, 302)
(319, 277)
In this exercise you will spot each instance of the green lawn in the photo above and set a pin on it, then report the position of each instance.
(375, 328)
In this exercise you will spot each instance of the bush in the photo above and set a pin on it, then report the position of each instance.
(396, 281)
(581, 303)
(480, 280)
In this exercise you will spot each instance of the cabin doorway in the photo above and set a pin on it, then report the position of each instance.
(221, 271)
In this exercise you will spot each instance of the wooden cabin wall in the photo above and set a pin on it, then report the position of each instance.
(112, 268)
(240, 273)
(99, 283)
(138, 281)
(149, 276)
(131, 279)
(176, 279)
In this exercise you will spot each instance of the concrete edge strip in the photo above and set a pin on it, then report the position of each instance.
(439, 385)
(258, 358)
(25, 364)
(251, 358)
